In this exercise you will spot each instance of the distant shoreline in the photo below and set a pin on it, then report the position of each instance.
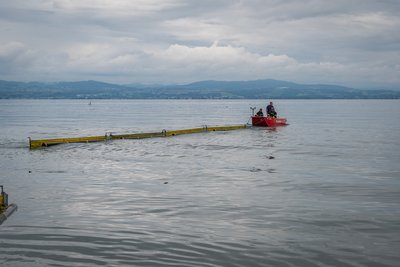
(257, 89)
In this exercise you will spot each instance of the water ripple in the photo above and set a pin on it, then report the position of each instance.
(315, 193)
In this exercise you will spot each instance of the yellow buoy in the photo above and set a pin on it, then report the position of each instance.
(5, 209)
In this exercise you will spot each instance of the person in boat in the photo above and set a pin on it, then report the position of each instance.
(260, 113)
(271, 110)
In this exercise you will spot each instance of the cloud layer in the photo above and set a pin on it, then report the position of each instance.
(354, 43)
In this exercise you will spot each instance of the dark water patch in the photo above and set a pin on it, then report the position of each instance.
(14, 144)
(55, 172)
(254, 169)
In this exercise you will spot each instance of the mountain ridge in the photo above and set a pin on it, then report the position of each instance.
(207, 89)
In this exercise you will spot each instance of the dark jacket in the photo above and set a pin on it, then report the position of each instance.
(270, 109)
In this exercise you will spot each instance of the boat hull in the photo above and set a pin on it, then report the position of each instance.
(267, 121)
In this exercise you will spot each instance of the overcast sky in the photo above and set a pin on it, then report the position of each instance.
(348, 42)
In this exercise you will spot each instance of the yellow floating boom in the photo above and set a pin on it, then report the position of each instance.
(49, 142)
(33, 144)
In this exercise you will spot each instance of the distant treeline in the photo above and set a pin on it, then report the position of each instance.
(258, 89)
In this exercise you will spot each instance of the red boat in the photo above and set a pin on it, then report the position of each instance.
(267, 121)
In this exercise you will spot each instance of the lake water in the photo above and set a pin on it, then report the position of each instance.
(323, 191)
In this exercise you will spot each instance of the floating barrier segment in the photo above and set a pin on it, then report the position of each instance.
(34, 144)
(50, 142)
(135, 136)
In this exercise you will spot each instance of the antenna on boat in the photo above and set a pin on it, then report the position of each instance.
(252, 110)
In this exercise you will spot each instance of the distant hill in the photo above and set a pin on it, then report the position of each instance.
(199, 90)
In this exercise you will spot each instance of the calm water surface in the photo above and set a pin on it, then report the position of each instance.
(323, 191)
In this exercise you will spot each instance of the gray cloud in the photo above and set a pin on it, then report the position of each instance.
(354, 43)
